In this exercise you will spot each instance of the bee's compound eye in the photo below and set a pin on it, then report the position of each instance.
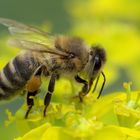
(97, 63)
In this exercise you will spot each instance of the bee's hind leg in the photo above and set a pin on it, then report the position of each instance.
(30, 102)
(32, 87)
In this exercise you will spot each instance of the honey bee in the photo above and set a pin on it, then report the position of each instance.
(51, 56)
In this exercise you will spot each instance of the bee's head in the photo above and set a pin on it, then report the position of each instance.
(98, 57)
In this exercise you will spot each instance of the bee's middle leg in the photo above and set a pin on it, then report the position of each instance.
(85, 88)
(50, 91)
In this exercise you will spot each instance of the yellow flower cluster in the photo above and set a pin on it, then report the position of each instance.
(110, 117)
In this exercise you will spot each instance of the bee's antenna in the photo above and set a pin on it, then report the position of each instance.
(102, 85)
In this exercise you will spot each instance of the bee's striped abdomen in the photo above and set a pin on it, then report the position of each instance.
(15, 74)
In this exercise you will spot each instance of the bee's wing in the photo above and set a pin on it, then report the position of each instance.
(34, 46)
(26, 32)
(30, 38)
(15, 27)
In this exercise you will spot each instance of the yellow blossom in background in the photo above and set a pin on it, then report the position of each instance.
(97, 9)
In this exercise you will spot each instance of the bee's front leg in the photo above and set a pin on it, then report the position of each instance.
(50, 91)
(85, 88)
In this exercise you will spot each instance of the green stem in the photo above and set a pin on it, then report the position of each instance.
(137, 100)
(128, 90)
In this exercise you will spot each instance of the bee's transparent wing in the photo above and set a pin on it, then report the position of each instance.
(34, 46)
(20, 28)
(30, 38)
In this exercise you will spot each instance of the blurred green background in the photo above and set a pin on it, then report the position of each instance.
(113, 24)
